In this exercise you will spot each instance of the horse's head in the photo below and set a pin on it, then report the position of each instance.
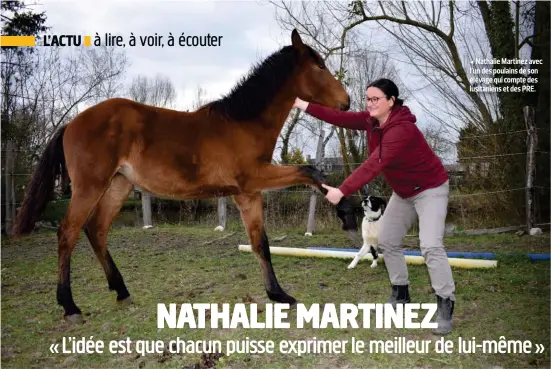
(314, 81)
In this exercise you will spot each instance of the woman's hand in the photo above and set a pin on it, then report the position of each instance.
(334, 195)
(301, 104)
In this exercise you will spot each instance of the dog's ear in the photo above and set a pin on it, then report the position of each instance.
(378, 203)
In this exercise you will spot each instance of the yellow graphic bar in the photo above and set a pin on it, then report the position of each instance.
(17, 41)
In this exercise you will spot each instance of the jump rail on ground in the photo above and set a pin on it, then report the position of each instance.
(333, 253)
(457, 254)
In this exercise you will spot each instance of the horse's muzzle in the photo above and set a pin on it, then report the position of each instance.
(345, 107)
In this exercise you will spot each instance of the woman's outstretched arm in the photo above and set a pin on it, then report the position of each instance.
(344, 119)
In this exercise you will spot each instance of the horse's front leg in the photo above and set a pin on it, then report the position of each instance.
(250, 206)
(279, 176)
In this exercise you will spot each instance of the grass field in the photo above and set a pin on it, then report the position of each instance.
(180, 265)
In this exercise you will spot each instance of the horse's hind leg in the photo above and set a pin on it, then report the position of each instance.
(250, 206)
(82, 203)
(97, 229)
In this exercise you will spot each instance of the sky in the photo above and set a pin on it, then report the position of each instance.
(248, 29)
(249, 33)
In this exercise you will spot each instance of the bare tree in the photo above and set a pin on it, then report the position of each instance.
(157, 91)
(67, 81)
(428, 32)
(286, 134)
(49, 88)
(436, 137)
(105, 61)
(200, 98)
(329, 37)
(356, 63)
(439, 42)
(61, 84)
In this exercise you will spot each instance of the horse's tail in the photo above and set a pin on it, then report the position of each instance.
(41, 188)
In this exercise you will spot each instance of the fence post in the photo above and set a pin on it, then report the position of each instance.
(222, 209)
(532, 141)
(146, 208)
(314, 195)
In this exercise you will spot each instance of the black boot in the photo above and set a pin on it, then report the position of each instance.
(444, 317)
(400, 295)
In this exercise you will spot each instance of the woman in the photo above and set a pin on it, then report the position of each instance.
(420, 187)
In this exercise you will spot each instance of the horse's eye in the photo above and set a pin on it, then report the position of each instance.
(321, 66)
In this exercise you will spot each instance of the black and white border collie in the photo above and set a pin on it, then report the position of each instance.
(374, 208)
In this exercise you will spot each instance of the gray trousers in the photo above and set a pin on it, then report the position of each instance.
(431, 208)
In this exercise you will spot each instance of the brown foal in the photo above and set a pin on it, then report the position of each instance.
(222, 149)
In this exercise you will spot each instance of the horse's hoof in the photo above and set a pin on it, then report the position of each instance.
(125, 302)
(282, 298)
(292, 303)
(74, 319)
(311, 171)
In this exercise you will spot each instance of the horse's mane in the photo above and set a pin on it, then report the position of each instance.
(250, 97)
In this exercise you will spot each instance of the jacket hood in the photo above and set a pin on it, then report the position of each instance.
(398, 115)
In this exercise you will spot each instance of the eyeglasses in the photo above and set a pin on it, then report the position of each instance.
(374, 100)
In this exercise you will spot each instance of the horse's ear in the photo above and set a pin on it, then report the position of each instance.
(297, 41)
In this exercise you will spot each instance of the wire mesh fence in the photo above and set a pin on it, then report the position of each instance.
(289, 208)
(469, 207)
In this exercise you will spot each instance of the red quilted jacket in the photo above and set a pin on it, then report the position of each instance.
(398, 150)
